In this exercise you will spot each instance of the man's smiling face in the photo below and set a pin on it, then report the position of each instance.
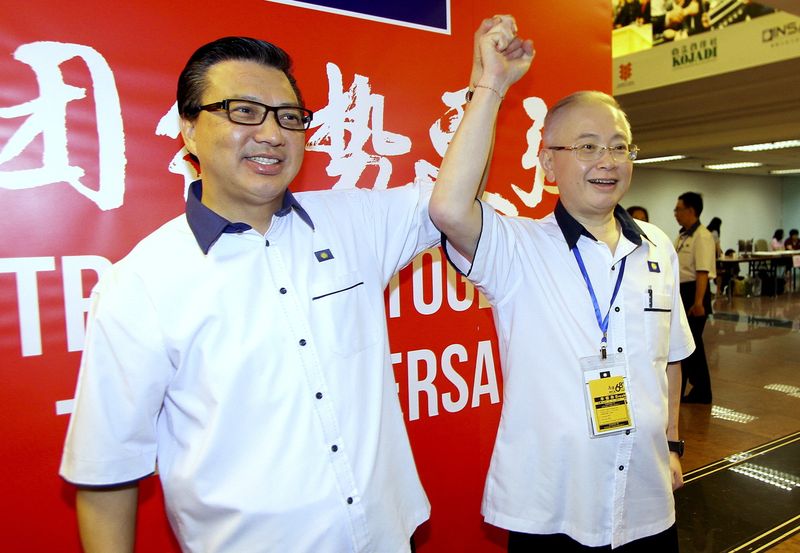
(245, 168)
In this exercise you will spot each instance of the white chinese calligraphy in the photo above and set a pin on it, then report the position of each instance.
(536, 110)
(169, 125)
(358, 113)
(47, 116)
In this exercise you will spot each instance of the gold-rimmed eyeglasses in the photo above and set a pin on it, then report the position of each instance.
(595, 152)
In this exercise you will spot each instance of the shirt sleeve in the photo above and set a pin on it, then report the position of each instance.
(705, 254)
(492, 269)
(123, 376)
(399, 223)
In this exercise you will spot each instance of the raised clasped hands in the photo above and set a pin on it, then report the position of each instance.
(500, 57)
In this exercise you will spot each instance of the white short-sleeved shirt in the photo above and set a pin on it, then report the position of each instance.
(258, 376)
(697, 251)
(546, 474)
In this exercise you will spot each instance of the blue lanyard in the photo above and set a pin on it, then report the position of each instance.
(602, 322)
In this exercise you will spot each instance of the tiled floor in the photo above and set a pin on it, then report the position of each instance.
(753, 349)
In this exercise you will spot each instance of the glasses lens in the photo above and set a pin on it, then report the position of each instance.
(296, 119)
(620, 153)
(588, 152)
(246, 113)
(595, 152)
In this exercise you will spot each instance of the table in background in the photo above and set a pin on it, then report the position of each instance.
(761, 262)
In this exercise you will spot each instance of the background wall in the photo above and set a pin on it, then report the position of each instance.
(750, 207)
(790, 187)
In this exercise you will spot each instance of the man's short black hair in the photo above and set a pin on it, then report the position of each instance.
(693, 200)
(192, 80)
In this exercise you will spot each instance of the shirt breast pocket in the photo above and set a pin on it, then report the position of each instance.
(657, 320)
(343, 306)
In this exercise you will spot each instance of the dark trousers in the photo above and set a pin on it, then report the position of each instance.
(664, 542)
(694, 368)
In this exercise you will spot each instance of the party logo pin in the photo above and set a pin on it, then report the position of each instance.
(323, 255)
(653, 266)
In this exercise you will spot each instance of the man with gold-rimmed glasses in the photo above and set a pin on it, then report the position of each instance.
(590, 324)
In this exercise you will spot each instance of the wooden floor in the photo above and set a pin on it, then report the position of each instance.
(753, 349)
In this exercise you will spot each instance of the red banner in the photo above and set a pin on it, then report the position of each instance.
(91, 161)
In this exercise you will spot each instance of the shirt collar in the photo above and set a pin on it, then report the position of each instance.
(207, 226)
(572, 229)
(690, 231)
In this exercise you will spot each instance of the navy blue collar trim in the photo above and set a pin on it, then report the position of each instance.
(207, 226)
(690, 231)
(573, 230)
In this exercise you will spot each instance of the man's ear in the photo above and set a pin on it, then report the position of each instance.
(546, 163)
(187, 132)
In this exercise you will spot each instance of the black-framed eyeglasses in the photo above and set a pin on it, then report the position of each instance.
(247, 112)
(595, 152)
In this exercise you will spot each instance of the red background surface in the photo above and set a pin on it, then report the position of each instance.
(146, 44)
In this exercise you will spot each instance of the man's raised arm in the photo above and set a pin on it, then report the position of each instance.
(504, 59)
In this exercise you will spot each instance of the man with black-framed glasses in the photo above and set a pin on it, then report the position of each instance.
(590, 327)
(242, 347)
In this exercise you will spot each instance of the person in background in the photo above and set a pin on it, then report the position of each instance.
(714, 228)
(793, 241)
(628, 13)
(685, 18)
(783, 267)
(776, 244)
(644, 12)
(698, 264)
(586, 307)
(242, 347)
(658, 16)
(639, 213)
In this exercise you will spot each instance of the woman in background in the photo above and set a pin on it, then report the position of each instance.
(777, 240)
(713, 227)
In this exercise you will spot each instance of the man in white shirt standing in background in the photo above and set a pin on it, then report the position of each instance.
(697, 255)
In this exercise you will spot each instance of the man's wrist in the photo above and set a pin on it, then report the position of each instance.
(676, 446)
(471, 92)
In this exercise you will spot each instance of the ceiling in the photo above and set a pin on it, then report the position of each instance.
(703, 119)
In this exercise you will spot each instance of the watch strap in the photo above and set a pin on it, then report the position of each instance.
(676, 447)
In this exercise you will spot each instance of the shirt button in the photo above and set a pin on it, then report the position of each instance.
(349, 500)
(282, 290)
(302, 341)
(627, 432)
(334, 448)
(613, 268)
(621, 467)
(319, 395)
(616, 309)
(266, 243)
(619, 350)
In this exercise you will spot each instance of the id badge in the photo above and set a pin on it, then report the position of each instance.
(608, 401)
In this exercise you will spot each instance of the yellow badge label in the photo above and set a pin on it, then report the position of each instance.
(609, 402)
